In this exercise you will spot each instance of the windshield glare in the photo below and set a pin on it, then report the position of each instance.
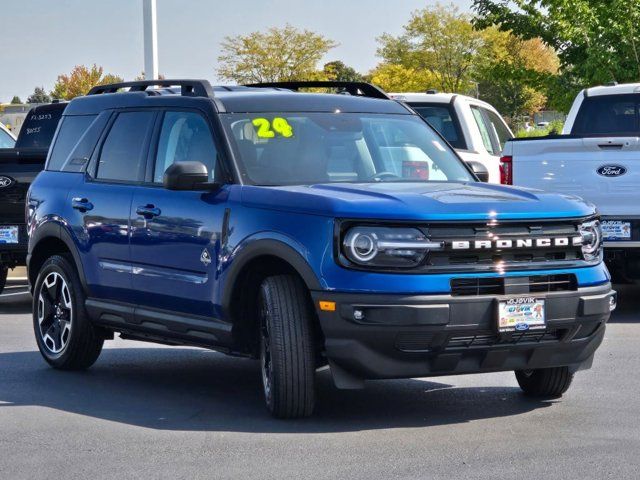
(309, 148)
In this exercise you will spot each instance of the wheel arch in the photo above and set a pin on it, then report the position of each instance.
(254, 262)
(49, 239)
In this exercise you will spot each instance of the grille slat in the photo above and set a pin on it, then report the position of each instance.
(513, 285)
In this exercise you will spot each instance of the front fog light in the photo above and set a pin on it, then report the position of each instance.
(591, 234)
(386, 246)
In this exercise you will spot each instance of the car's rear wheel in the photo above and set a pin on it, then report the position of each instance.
(545, 382)
(286, 347)
(66, 338)
(4, 271)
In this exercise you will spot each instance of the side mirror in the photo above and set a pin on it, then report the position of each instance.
(186, 176)
(480, 170)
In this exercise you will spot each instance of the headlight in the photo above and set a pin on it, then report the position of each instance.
(386, 246)
(591, 234)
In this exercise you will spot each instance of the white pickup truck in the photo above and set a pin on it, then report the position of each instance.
(597, 157)
(473, 127)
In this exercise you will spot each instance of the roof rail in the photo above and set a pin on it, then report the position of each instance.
(188, 88)
(362, 89)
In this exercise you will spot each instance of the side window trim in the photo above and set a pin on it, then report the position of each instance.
(93, 164)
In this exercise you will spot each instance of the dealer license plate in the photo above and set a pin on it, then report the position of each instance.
(8, 234)
(520, 314)
(616, 230)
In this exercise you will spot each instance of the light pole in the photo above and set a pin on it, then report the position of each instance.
(150, 40)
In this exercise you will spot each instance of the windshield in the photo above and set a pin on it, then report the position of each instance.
(308, 148)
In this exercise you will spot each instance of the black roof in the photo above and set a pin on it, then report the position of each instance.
(238, 99)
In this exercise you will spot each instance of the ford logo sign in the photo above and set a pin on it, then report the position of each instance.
(611, 170)
(6, 182)
(522, 327)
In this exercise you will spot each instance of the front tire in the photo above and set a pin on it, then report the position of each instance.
(545, 382)
(286, 347)
(66, 338)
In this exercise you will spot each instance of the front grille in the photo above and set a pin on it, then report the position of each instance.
(490, 258)
(513, 285)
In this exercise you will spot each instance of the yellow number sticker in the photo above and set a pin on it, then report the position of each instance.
(266, 129)
(263, 128)
(281, 126)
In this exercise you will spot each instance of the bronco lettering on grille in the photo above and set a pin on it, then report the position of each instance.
(501, 244)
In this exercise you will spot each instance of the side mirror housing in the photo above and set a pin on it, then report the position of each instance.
(187, 176)
(480, 170)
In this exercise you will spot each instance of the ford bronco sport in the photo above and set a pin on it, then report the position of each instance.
(303, 230)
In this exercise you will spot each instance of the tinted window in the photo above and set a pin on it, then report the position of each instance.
(498, 128)
(6, 141)
(441, 117)
(185, 136)
(121, 155)
(71, 130)
(610, 114)
(308, 148)
(39, 126)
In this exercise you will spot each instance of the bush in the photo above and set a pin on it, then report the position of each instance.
(554, 128)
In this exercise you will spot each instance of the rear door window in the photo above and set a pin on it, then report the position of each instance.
(122, 155)
(443, 118)
(608, 114)
(498, 128)
(485, 131)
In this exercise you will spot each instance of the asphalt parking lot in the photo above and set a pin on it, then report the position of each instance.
(146, 411)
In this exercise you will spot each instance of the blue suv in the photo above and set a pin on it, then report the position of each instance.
(304, 230)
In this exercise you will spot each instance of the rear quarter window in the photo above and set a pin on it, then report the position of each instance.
(72, 130)
(40, 126)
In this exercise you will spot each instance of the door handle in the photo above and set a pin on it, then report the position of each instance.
(81, 204)
(148, 211)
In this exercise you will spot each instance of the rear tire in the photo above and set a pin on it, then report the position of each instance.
(286, 347)
(545, 382)
(66, 338)
(4, 271)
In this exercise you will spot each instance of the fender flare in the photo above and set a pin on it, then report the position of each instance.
(266, 246)
(53, 229)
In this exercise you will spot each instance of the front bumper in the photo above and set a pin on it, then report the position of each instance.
(371, 336)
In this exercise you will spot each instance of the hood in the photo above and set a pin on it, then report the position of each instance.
(417, 201)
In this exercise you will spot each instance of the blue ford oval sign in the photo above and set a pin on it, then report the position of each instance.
(6, 182)
(611, 170)
(522, 327)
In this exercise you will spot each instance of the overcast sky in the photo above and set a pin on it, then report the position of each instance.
(41, 39)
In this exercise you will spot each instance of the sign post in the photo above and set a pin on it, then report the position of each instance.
(150, 40)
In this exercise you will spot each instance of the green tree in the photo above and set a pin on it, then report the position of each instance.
(597, 41)
(80, 81)
(515, 74)
(39, 96)
(279, 54)
(439, 40)
(340, 72)
(16, 100)
(392, 77)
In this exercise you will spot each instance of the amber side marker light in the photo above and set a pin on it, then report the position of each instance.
(327, 306)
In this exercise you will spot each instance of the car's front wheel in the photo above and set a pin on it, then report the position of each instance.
(66, 338)
(545, 382)
(286, 347)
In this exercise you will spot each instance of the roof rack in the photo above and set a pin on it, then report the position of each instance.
(188, 88)
(362, 89)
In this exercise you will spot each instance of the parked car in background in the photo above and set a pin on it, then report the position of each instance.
(304, 230)
(7, 140)
(20, 161)
(597, 157)
(473, 127)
